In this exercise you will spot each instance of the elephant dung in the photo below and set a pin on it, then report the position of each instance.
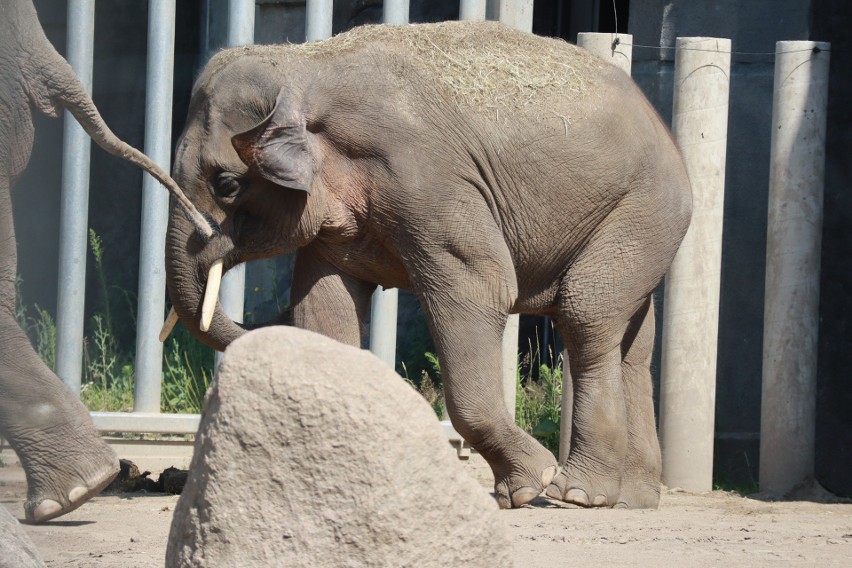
(313, 453)
(16, 549)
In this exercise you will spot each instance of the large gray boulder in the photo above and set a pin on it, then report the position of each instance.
(16, 549)
(313, 453)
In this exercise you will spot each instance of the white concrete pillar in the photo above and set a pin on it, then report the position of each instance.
(472, 9)
(791, 309)
(516, 14)
(691, 308)
(395, 12)
(383, 320)
(619, 54)
(614, 48)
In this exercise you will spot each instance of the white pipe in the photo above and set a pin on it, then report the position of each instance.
(155, 207)
(74, 206)
(791, 309)
(318, 19)
(691, 308)
(613, 48)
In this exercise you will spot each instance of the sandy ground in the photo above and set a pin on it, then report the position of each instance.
(715, 529)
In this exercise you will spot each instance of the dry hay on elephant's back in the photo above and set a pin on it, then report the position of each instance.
(480, 65)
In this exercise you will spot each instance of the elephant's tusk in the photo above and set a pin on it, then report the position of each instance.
(211, 295)
(168, 325)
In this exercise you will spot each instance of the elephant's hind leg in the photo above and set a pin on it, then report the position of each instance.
(601, 298)
(640, 481)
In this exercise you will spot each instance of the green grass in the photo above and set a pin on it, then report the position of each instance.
(108, 359)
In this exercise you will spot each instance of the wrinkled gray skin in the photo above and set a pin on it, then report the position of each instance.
(64, 458)
(569, 210)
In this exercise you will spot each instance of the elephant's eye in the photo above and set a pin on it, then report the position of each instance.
(226, 185)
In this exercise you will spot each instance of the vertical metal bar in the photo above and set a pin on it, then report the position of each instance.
(155, 206)
(74, 206)
(793, 242)
(395, 12)
(318, 19)
(233, 290)
(472, 9)
(383, 311)
(691, 307)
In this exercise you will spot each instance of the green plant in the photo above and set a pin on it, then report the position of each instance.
(538, 400)
(187, 373)
(428, 386)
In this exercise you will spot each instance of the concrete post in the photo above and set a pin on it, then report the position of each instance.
(472, 9)
(619, 54)
(155, 206)
(791, 309)
(318, 19)
(614, 48)
(395, 12)
(383, 320)
(516, 14)
(233, 290)
(691, 309)
(74, 205)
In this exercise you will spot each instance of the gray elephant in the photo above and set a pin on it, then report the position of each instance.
(489, 171)
(64, 458)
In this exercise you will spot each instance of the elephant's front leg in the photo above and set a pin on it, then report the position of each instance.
(327, 301)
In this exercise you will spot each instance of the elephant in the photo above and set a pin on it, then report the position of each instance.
(65, 460)
(487, 170)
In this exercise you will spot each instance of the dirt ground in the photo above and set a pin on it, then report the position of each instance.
(715, 529)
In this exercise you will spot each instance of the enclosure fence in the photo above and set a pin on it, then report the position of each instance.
(691, 307)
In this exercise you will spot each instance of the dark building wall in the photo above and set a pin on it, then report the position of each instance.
(754, 27)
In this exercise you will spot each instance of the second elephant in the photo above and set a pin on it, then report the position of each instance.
(489, 171)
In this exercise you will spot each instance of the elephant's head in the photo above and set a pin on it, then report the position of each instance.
(249, 158)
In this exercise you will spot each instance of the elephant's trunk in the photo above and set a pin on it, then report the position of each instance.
(188, 263)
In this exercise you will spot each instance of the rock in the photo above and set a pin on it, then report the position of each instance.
(16, 549)
(313, 453)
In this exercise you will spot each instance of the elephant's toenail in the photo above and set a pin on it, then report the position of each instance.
(599, 501)
(547, 475)
(621, 505)
(503, 502)
(77, 493)
(577, 496)
(554, 492)
(45, 509)
(524, 495)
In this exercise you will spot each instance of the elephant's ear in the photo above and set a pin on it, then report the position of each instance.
(278, 147)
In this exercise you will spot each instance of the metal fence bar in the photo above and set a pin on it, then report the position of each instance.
(233, 290)
(74, 205)
(318, 19)
(155, 206)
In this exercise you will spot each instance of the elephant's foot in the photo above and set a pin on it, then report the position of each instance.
(639, 492)
(59, 482)
(584, 489)
(526, 481)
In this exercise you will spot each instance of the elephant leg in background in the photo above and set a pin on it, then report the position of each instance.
(328, 302)
(640, 482)
(64, 457)
(604, 304)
